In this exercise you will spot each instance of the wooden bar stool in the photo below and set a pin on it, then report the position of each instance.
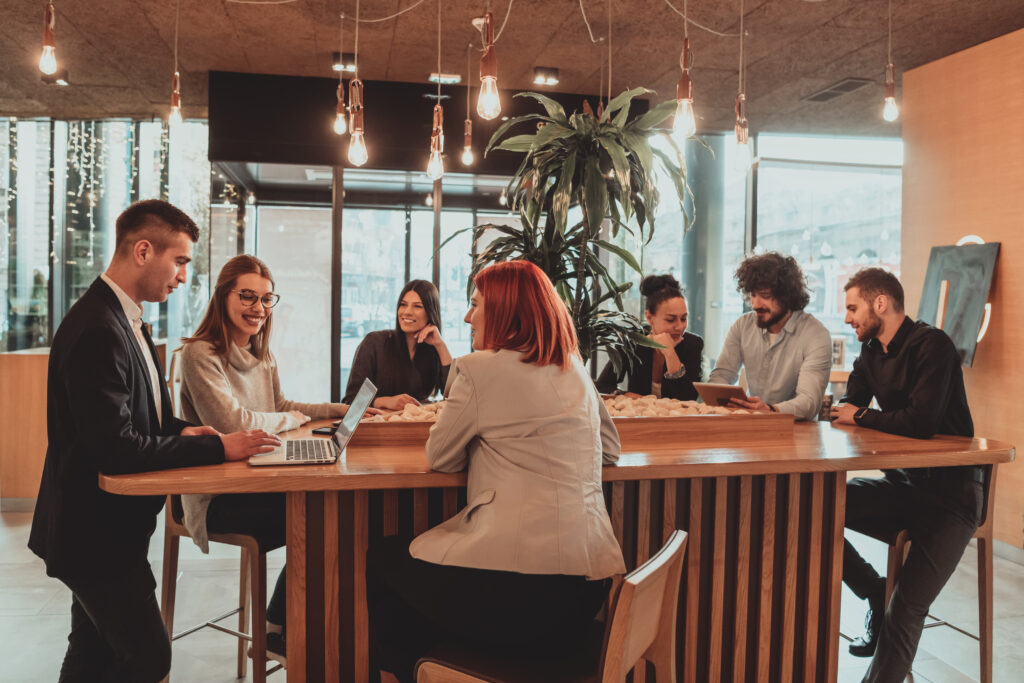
(641, 627)
(252, 592)
(899, 546)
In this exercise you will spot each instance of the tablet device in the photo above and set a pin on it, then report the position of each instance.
(718, 394)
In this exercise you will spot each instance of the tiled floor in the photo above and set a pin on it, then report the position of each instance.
(34, 615)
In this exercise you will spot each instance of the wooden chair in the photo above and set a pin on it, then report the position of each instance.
(899, 546)
(174, 381)
(252, 592)
(641, 627)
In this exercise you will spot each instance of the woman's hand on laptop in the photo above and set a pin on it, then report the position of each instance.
(241, 445)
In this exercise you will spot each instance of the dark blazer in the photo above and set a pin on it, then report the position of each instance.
(100, 417)
(690, 350)
(384, 358)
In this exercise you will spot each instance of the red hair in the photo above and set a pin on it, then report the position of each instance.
(523, 312)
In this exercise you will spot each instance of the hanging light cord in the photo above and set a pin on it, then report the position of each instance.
(702, 27)
(469, 80)
(741, 46)
(341, 46)
(587, 23)
(609, 3)
(439, 52)
(890, 31)
(356, 54)
(177, 17)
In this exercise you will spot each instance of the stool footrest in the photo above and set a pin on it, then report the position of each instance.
(212, 623)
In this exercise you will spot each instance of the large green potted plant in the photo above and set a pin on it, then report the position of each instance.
(603, 164)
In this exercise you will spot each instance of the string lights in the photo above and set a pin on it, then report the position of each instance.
(357, 152)
(467, 142)
(890, 112)
(488, 104)
(341, 114)
(48, 58)
(685, 124)
(175, 117)
(435, 164)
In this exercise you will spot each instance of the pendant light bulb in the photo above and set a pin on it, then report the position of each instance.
(467, 143)
(48, 58)
(357, 154)
(488, 104)
(175, 118)
(685, 124)
(340, 118)
(435, 166)
(890, 112)
(743, 155)
(467, 156)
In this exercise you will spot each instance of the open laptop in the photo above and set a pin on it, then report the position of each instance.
(322, 451)
(718, 394)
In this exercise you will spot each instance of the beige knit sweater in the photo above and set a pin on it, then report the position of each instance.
(231, 394)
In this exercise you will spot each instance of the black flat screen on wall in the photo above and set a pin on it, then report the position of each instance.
(290, 119)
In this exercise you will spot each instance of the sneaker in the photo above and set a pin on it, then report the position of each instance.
(864, 646)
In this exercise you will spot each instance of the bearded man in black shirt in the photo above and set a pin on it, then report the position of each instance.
(913, 370)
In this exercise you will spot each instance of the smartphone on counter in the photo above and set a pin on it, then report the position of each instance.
(324, 431)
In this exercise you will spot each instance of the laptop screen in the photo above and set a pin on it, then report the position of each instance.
(355, 413)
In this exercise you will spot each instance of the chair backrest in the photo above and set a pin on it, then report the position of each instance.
(642, 624)
(174, 381)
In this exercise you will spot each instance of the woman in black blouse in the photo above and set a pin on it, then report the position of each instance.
(409, 363)
(669, 372)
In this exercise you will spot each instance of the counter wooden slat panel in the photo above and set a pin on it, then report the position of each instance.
(815, 558)
(764, 630)
(742, 579)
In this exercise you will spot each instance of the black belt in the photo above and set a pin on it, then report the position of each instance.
(959, 473)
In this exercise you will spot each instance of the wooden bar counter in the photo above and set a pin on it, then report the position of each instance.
(765, 521)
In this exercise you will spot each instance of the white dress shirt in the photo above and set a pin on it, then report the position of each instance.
(133, 312)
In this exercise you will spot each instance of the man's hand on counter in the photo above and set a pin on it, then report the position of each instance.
(241, 445)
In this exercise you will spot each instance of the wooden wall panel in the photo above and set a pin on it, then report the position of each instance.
(963, 174)
(22, 422)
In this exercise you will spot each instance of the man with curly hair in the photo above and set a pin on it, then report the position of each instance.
(787, 353)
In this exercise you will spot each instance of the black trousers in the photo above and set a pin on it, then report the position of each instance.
(261, 515)
(415, 605)
(117, 634)
(940, 515)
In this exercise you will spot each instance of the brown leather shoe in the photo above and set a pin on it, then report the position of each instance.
(864, 646)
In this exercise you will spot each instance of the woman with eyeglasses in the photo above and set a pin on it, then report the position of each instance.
(229, 381)
(410, 362)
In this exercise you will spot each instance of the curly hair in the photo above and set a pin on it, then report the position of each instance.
(657, 289)
(778, 274)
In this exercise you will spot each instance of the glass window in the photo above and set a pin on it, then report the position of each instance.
(421, 244)
(833, 218)
(456, 262)
(295, 243)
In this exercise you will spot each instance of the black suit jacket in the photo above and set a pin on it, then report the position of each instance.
(690, 350)
(101, 417)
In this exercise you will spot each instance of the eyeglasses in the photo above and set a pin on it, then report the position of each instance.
(249, 298)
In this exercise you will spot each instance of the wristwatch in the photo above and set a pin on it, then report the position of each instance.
(860, 413)
(678, 374)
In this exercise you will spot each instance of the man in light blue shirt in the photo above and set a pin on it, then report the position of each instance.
(787, 353)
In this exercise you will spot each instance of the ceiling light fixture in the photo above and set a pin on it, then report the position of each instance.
(890, 112)
(545, 75)
(467, 137)
(435, 164)
(357, 152)
(488, 105)
(48, 58)
(59, 78)
(445, 79)
(341, 113)
(685, 124)
(175, 118)
(343, 61)
(743, 154)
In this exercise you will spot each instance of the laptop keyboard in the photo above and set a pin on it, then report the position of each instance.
(309, 450)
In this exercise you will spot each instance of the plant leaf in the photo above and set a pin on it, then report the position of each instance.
(657, 114)
(622, 253)
(621, 100)
(553, 108)
(518, 143)
(503, 128)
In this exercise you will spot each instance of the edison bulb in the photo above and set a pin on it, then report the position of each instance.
(467, 156)
(488, 105)
(685, 124)
(48, 60)
(503, 198)
(175, 118)
(435, 166)
(340, 123)
(357, 154)
(890, 112)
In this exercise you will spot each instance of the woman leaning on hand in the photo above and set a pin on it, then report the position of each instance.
(668, 372)
(409, 363)
(526, 563)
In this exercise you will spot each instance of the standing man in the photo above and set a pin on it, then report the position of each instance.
(108, 410)
(787, 353)
(913, 370)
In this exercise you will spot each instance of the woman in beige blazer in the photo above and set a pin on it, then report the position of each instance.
(526, 563)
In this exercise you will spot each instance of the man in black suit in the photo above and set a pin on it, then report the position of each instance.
(108, 410)
(913, 370)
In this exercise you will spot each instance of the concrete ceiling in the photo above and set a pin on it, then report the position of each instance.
(119, 53)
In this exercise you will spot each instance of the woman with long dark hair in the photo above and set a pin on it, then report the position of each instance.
(668, 372)
(527, 563)
(229, 381)
(410, 362)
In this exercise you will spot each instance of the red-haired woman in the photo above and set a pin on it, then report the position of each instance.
(526, 563)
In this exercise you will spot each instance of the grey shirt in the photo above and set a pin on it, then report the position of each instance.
(790, 373)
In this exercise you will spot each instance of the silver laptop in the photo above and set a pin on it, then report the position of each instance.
(322, 451)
